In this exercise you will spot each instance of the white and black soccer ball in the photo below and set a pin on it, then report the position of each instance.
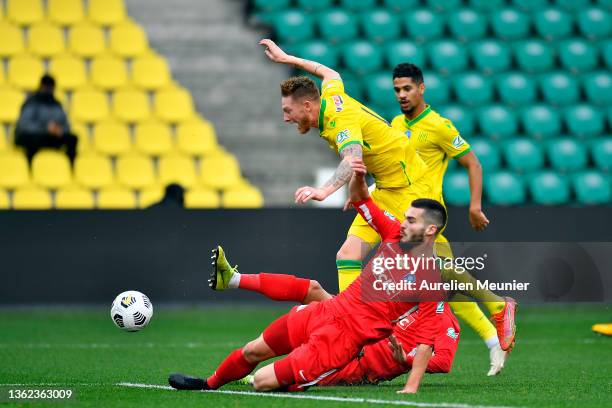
(131, 311)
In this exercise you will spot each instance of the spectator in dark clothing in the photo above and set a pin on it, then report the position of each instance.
(43, 123)
(174, 197)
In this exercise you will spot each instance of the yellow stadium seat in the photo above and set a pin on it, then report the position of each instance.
(89, 105)
(150, 71)
(25, 71)
(2, 78)
(135, 171)
(153, 138)
(93, 171)
(11, 40)
(69, 72)
(177, 169)
(31, 198)
(202, 198)
(4, 200)
(51, 169)
(128, 40)
(74, 198)
(10, 104)
(150, 196)
(14, 171)
(65, 12)
(108, 72)
(220, 171)
(196, 137)
(86, 40)
(106, 12)
(242, 197)
(130, 105)
(3, 140)
(173, 105)
(116, 198)
(24, 12)
(112, 138)
(45, 40)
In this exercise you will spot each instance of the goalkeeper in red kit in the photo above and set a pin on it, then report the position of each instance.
(321, 338)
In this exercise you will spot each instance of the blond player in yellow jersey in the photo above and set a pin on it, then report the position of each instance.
(437, 141)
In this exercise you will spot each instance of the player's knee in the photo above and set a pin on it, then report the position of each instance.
(254, 352)
(348, 252)
(315, 286)
(263, 382)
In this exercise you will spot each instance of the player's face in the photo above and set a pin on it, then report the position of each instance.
(298, 112)
(414, 228)
(408, 93)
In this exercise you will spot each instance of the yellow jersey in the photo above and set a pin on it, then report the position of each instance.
(387, 153)
(436, 140)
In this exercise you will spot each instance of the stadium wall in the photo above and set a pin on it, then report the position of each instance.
(62, 257)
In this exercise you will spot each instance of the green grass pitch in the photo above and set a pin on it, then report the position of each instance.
(557, 361)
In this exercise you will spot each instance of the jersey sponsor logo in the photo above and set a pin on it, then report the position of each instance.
(450, 332)
(408, 133)
(458, 142)
(406, 322)
(343, 136)
(389, 215)
(338, 102)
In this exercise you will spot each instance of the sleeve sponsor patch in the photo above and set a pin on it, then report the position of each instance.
(389, 215)
(342, 136)
(458, 142)
(338, 102)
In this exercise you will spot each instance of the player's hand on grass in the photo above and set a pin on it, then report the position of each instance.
(307, 193)
(478, 219)
(407, 390)
(274, 52)
(399, 354)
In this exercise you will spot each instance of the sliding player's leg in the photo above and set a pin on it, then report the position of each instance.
(352, 252)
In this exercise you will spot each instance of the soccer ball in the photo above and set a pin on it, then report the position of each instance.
(131, 311)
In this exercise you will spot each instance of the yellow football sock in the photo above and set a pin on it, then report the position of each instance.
(470, 313)
(348, 271)
(494, 307)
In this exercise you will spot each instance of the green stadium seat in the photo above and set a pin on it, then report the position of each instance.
(337, 25)
(271, 5)
(436, 89)
(553, 23)
(319, 51)
(592, 187)
(577, 55)
(534, 56)
(497, 122)
(423, 25)
(606, 4)
(400, 5)
(505, 188)
(601, 151)
(567, 154)
(609, 114)
(487, 153)
(380, 25)
(509, 24)
(456, 188)
(292, 26)
(523, 155)
(486, 5)
(559, 88)
(573, 5)
(387, 112)
(473, 89)
(353, 86)
(541, 121)
(595, 23)
(606, 52)
(584, 121)
(598, 88)
(314, 5)
(358, 5)
(490, 56)
(516, 89)
(549, 188)
(447, 56)
(467, 25)
(404, 51)
(462, 118)
(530, 5)
(362, 57)
(443, 5)
(379, 89)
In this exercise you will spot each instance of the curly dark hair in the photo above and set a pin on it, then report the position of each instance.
(407, 70)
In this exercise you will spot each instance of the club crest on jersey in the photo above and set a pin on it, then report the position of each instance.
(458, 142)
(338, 102)
(452, 333)
(408, 133)
(389, 215)
(342, 136)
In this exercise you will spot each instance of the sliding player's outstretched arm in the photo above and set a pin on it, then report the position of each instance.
(419, 365)
(276, 54)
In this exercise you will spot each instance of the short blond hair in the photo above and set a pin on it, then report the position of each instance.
(300, 87)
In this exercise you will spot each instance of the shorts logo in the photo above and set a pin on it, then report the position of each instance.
(408, 133)
(452, 333)
(389, 215)
(458, 142)
(338, 102)
(342, 136)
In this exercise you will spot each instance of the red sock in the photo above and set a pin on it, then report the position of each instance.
(276, 286)
(233, 368)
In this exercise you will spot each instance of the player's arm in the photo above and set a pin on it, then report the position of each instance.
(478, 220)
(276, 54)
(419, 365)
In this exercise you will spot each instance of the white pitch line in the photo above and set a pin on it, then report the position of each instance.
(321, 398)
